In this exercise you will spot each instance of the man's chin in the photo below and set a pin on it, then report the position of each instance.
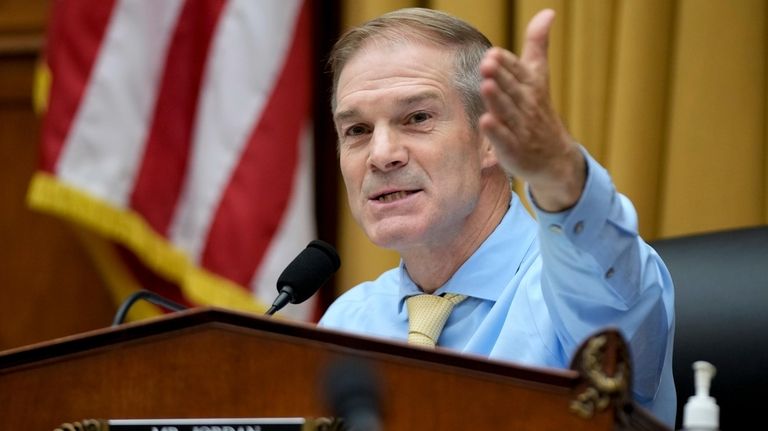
(393, 237)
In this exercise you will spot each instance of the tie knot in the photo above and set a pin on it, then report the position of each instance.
(427, 315)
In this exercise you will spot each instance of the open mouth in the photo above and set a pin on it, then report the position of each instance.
(393, 196)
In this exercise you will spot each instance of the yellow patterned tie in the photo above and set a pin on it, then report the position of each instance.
(427, 315)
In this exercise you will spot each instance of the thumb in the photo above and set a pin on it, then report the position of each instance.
(537, 37)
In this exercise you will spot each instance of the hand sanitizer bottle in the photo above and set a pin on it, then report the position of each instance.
(701, 412)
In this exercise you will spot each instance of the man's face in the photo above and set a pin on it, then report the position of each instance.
(411, 163)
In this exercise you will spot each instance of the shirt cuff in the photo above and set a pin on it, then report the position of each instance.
(582, 222)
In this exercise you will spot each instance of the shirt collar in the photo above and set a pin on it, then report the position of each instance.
(491, 267)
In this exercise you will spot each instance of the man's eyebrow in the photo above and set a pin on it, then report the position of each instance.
(345, 115)
(404, 102)
(417, 98)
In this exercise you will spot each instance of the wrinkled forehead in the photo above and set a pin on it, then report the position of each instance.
(384, 45)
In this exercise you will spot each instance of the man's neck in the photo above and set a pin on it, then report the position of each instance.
(431, 267)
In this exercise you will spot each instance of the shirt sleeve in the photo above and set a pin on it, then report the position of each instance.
(597, 272)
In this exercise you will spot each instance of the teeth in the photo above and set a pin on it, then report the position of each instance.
(389, 197)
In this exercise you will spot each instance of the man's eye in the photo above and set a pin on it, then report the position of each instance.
(419, 117)
(356, 130)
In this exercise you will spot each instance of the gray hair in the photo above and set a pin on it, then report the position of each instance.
(420, 24)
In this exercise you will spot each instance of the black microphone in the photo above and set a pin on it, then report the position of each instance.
(305, 274)
(353, 392)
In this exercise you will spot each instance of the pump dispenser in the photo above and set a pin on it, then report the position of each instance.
(701, 412)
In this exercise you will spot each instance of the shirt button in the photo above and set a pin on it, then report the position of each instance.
(578, 227)
(555, 228)
(609, 273)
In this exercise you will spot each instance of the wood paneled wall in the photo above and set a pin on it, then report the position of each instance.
(48, 285)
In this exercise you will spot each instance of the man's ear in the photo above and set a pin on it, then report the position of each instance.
(488, 157)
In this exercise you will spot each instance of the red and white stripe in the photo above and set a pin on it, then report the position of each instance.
(195, 115)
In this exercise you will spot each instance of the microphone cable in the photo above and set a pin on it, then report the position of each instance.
(148, 296)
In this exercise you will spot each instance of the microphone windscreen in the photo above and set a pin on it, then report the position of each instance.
(351, 387)
(309, 270)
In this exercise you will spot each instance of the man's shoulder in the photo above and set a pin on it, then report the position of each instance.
(385, 285)
(366, 297)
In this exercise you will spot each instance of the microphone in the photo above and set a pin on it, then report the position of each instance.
(352, 390)
(305, 274)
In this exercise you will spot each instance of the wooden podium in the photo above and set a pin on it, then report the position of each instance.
(212, 363)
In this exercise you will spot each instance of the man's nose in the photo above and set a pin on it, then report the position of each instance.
(387, 151)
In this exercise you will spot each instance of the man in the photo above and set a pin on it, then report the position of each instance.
(431, 121)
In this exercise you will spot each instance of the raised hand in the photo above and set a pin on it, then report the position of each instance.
(530, 140)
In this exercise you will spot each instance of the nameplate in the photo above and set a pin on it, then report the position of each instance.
(260, 424)
(232, 424)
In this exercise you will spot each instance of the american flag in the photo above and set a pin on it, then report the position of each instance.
(181, 130)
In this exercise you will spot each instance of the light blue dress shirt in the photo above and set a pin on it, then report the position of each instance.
(537, 290)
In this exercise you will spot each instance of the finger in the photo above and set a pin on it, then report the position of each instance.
(498, 60)
(504, 78)
(537, 38)
(500, 105)
(504, 140)
(499, 133)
